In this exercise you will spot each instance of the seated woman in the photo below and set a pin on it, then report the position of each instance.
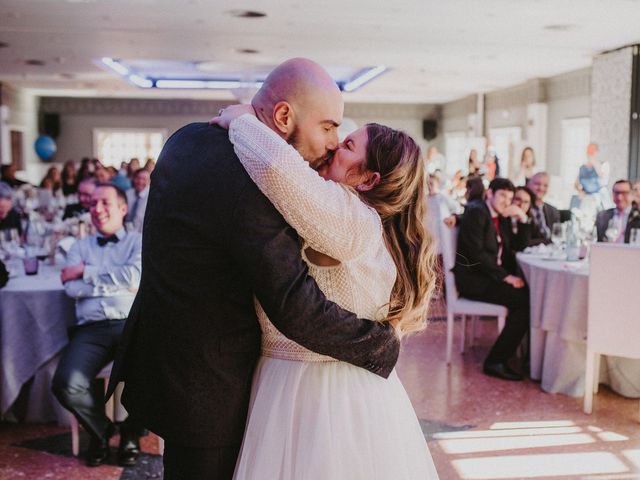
(524, 198)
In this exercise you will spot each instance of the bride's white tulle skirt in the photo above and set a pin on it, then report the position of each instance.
(330, 421)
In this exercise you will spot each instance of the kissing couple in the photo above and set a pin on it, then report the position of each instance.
(280, 269)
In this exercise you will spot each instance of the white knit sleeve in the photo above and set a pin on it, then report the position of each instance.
(330, 217)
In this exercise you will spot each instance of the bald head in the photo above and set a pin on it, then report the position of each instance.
(294, 81)
(302, 103)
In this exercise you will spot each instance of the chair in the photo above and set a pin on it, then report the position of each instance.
(462, 306)
(113, 409)
(613, 326)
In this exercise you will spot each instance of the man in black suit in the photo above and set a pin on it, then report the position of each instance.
(625, 215)
(85, 191)
(544, 215)
(211, 241)
(486, 268)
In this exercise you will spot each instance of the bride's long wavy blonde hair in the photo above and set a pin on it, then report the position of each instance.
(399, 199)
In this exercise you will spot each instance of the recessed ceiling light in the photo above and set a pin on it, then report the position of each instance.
(35, 63)
(249, 51)
(247, 14)
(4, 44)
(560, 27)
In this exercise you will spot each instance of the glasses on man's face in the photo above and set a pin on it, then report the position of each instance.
(622, 192)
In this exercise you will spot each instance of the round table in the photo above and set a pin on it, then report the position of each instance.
(35, 313)
(559, 308)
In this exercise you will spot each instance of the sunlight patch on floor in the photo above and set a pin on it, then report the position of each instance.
(513, 443)
(536, 466)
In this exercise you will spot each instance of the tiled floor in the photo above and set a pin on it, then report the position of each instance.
(478, 427)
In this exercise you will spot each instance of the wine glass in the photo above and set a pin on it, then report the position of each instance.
(612, 231)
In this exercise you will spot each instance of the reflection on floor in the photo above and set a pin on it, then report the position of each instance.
(477, 427)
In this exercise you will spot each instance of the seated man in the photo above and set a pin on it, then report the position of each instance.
(9, 218)
(137, 198)
(544, 215)
(486, 268)
(624, 217)
(85, 190)
(8, 174)
(102, 274)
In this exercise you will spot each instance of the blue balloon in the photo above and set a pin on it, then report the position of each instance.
(45, 147)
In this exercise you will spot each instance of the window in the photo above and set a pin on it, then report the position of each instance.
(505, 142)
(113, 146)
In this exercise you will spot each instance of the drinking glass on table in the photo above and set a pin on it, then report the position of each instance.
(612, 231)
(558, 234)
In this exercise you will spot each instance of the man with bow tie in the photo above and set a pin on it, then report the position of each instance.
(102, 273)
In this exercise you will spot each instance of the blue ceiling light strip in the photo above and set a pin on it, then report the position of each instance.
(363, 77)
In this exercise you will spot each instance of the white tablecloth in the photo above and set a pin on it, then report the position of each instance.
(34, 315)
(558, 291)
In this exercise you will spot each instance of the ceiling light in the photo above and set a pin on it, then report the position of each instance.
(3, 45)
(364, 76)
(247, 14)
(115, 66)
(140, 81)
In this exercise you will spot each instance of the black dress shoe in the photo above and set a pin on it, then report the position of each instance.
(98, 450)
(501, 370)
(129, 450)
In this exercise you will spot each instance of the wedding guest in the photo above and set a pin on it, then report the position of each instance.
(52, 180)
(121, 180)
(524, 198)
(474, 191)
(544, 215)
(102, 274)
(101, 174)
(623, 217)
(475, 167)
(636, 193)
(8, 173)
(526, 167)
(86, 169)
(85, 191)
(134, 166)
(69, 180)
(9, 217)
(486, 268)
(137, 198)
(592, 177)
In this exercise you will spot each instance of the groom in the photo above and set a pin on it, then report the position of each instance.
(212, 241)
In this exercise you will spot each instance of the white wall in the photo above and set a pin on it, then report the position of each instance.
(19, 113)
(79, 116)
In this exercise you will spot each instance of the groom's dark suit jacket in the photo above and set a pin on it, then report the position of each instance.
(211, 241)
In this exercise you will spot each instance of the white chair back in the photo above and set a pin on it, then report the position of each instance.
(614, 314)
(449, 245)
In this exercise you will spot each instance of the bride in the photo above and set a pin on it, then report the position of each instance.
(360, 218)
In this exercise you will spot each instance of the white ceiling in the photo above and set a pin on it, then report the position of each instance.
(437, 50)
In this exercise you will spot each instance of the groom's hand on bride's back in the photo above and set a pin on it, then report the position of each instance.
(228, 114)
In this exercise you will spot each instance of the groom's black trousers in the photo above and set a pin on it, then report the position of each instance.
(189, 463)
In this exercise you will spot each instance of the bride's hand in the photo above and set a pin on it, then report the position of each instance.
(228, 114)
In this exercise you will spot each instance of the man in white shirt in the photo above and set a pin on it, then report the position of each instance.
(103, 274)
(624, 216)
(137, 198)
